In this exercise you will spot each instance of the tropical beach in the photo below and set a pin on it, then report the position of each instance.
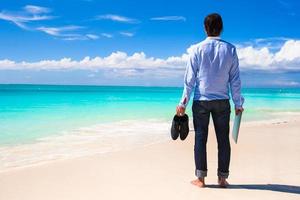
(149, 100)
(47, 122)
(265, 165)
(136, 158)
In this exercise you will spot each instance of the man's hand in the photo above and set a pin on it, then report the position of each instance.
(180, 110)
(239, 110)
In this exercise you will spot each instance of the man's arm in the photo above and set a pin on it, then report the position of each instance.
(235, 83)
(189, 82)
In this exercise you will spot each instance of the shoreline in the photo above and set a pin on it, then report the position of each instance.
(161, 138)
(264, 163)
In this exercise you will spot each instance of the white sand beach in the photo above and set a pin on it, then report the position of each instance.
(265, 164)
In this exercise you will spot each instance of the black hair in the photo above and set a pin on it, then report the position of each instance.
(213, 24)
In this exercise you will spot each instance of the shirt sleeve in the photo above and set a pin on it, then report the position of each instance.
(235, 82)
(189, 80)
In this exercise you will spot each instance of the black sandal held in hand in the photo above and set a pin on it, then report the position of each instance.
(180, 127)
(175, 127)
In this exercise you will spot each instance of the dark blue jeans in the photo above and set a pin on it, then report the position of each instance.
(220, 111)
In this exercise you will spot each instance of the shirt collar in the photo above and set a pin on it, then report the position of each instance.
(213, 37)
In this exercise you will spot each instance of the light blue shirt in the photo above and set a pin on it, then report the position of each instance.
(212, 70)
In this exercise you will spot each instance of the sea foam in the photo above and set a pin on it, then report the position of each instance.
(97, 139)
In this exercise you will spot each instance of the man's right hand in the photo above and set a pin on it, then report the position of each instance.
(239, 110)
(180, 110)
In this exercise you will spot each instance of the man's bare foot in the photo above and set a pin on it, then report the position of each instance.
(223, 183)
(199, 182)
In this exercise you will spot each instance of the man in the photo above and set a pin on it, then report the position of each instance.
(211, 70)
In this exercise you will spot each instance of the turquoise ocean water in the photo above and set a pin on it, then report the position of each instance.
(49, 115)
(28, 112)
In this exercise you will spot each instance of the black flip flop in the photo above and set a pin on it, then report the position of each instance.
(184, 126)
(175, 127)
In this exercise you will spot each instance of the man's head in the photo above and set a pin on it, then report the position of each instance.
(213, 24)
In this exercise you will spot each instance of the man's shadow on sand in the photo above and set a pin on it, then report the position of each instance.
(270, 187)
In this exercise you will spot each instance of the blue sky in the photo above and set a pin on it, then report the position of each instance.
(140, 38)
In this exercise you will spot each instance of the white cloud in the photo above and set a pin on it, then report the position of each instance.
(169, 18)
(117, 18)
(74, 36)
(58, 31)
(289, 51)
(258, 57)
(63, 33)
(7, 64)
(287, 58)
(107, 35)
(36, 9)
(33, 13)
(14, 19)
(287, 83)
(118, 60)
(92, 36)
(30, 14)
(127, 34)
